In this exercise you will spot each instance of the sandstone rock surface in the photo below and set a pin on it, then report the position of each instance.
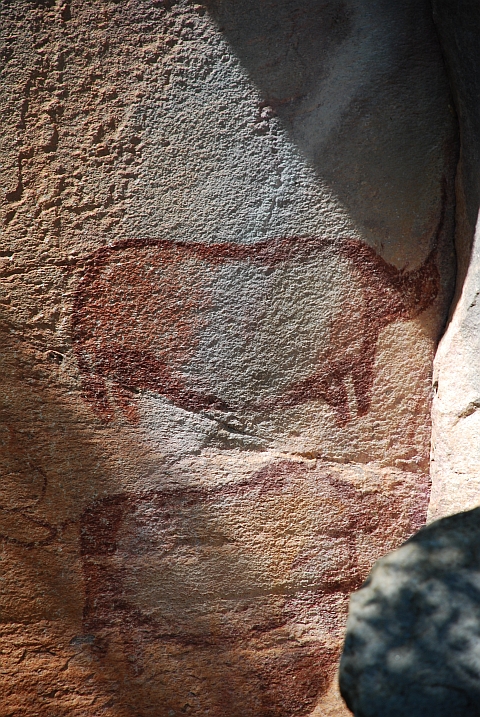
(455, 465)
(225, 263)
(413, 631)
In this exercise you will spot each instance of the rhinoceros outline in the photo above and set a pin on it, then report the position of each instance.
(390, 295)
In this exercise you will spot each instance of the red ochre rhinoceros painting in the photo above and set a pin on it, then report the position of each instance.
(239, 327)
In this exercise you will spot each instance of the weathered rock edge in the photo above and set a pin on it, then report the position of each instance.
(455, 460)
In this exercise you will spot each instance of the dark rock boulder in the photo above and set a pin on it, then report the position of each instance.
(413, 634)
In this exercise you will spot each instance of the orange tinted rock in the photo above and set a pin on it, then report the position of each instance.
(226, 260)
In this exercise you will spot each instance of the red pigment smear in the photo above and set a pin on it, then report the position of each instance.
(112, 531)
(137, 309)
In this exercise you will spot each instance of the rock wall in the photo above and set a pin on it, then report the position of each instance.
(227, 256)
(456, 428)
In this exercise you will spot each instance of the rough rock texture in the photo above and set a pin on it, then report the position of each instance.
(226, 259)
(413, 632)
(456, 420)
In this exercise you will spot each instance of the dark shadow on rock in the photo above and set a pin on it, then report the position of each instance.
(413, 633)
(361, 90)
(458, 25)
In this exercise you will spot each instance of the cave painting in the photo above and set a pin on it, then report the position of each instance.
(200, 323)
(191, 591)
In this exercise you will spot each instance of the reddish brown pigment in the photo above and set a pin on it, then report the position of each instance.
(137, 313)
(244, 651)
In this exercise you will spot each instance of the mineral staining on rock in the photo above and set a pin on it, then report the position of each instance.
(227, 259)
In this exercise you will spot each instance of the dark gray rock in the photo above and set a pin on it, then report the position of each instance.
(413, 634)
(458, 27)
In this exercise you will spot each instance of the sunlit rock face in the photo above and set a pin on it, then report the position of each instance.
(227, 258)
(455, 465)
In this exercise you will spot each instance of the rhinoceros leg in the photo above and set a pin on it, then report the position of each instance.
(362, 378)
(95, 394)
(94, 388)
(327, 385)
(124, 399)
